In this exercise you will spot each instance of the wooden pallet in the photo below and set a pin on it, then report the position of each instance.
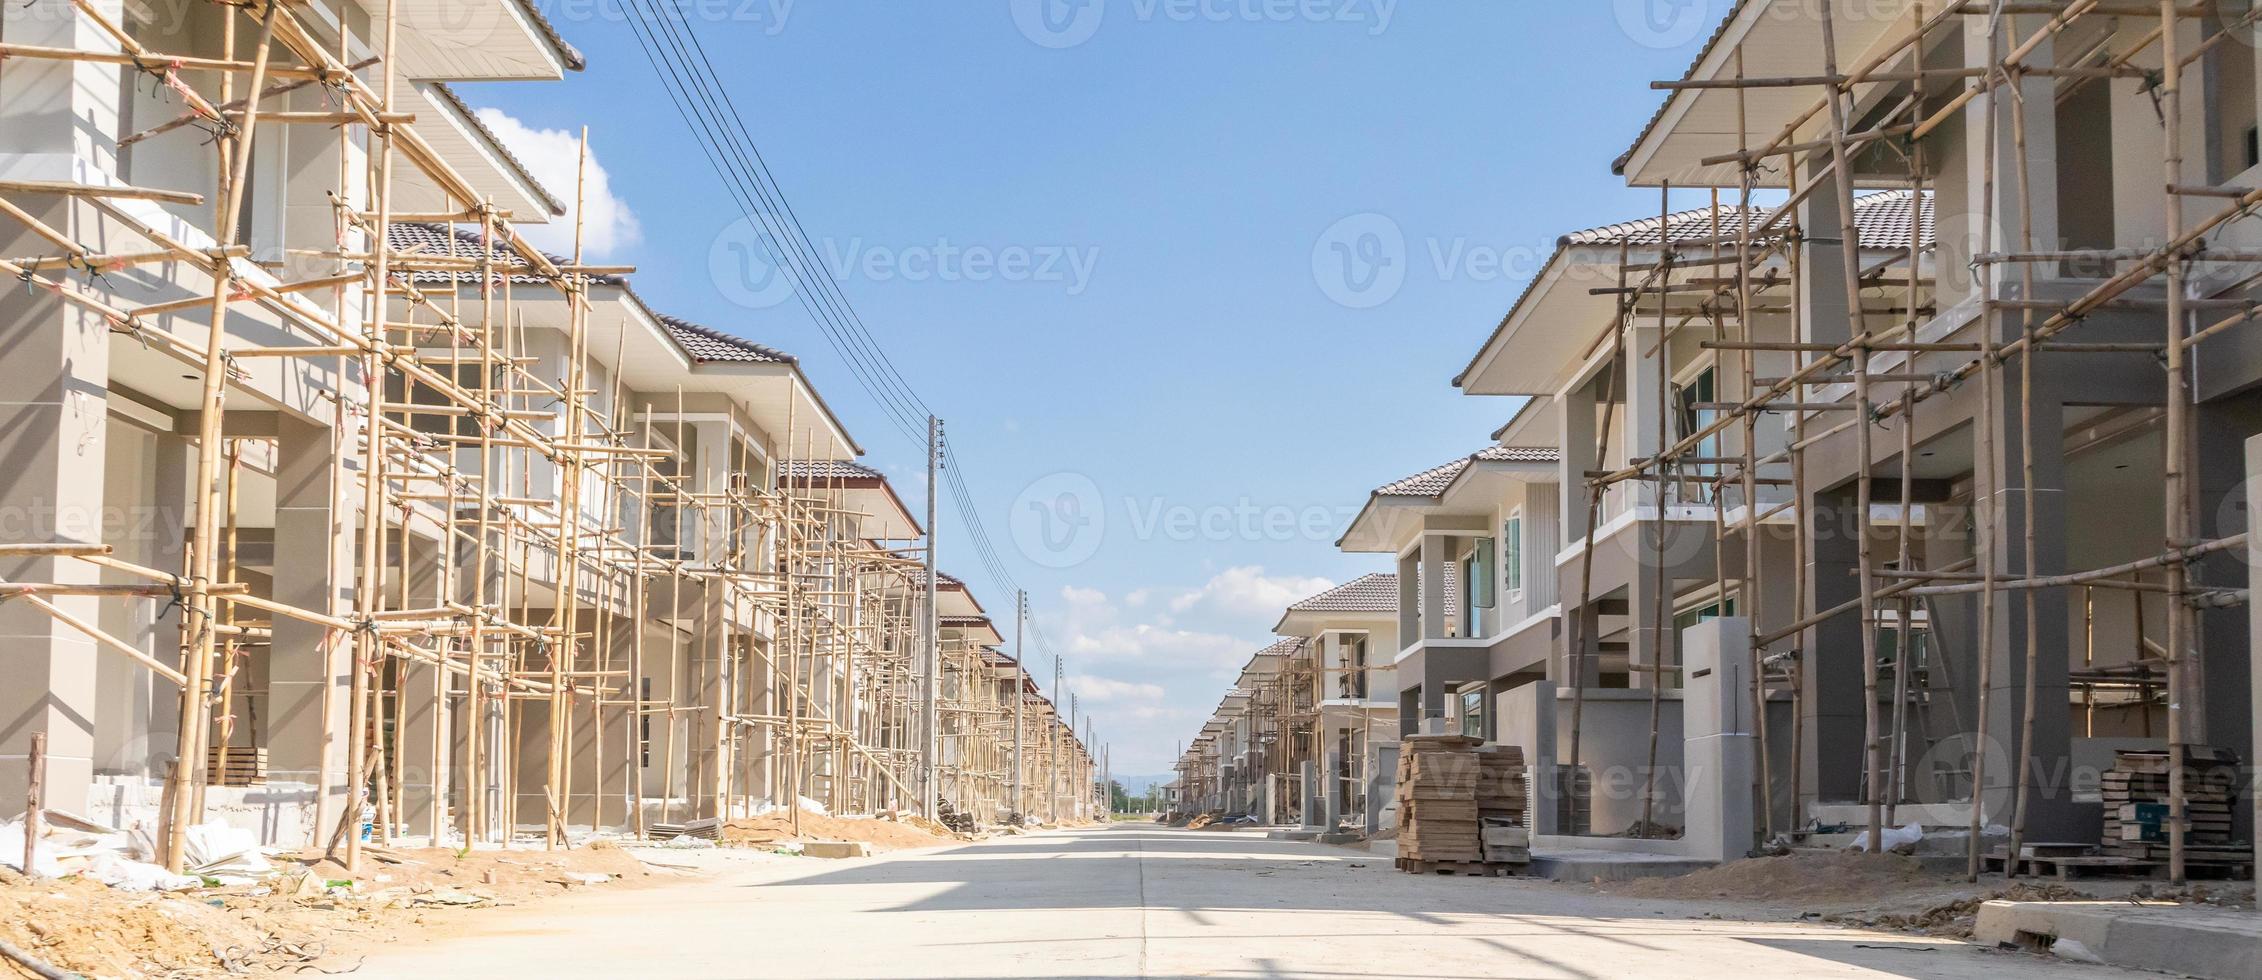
(246, 766)
(1477, 869)
(2070, 867)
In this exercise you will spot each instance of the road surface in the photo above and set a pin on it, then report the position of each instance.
(1141, 901)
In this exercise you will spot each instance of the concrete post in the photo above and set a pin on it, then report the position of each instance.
(424, 733)
(1433, 599)
(1720, 751)
(52, 431)
(59, 117)
(2254, 628)
(307, 683)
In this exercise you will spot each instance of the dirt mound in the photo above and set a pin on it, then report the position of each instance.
(1957, 918)
(1804, 878)
(883, 834)
(83, 927)
(310, 914)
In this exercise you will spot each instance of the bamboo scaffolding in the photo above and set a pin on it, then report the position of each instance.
(505, 477)
(1816, 148)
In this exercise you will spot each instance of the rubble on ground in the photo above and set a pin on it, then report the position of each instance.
(98, 905)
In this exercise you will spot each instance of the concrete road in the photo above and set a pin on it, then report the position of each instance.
(1140, 901)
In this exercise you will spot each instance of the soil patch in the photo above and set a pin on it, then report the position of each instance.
(1808, 878)
(880, 832)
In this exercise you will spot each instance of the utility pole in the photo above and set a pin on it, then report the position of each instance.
(1020, 697)
(930, 782)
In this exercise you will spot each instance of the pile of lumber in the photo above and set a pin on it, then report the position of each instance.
(2136, 805)
(1503, 805)
(1459, 808)
(1437, 799)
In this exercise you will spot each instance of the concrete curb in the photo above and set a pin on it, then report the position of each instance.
(2205, 943)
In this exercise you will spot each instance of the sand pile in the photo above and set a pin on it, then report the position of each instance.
(883, 834)
(1806, 878)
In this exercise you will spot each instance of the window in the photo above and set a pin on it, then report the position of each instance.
(1354, 682)
(1512, 552)
(1472, 712)
(1699, 389)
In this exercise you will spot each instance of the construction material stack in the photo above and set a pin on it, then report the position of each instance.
(1446, 790)
(1503, 806)
(2135, 793)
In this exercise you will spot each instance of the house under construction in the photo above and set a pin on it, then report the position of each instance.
(333, 501)
(1902, 479)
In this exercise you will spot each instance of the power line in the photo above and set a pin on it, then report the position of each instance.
(724, 140)
(672, 46)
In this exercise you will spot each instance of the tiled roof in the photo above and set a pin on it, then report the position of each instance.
(567, 53)
(1427, 483)
(1280, 648)
(1433, 481)
(1882, 218)
(710, 345)
(701, 343)
(942, 579)
(1374, 592)
(830, 469)
(422, 238)
(1519, 454)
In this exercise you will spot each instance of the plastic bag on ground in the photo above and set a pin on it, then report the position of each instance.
(1893, 837)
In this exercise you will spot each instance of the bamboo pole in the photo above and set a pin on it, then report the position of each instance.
(200, 611)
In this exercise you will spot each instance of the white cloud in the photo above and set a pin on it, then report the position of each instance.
(1246, 590)
(1107, 690)
(1148, 664)
(1096, 629)
(553, 156)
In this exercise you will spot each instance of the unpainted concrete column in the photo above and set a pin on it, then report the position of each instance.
(308, 665)
(53, 424)
(1433, 557)
(424, 729)
(2254, 629)
(1831, 667)
(2051, 814)
(1721, 751)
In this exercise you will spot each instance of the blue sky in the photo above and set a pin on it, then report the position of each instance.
(1236, 251)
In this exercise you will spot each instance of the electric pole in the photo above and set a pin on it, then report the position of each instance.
(930, 782)
(1020, 696)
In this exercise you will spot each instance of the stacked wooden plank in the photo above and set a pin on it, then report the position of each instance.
(2136, 805)
(242, 765)
(1437, 800)
(1503, 805)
